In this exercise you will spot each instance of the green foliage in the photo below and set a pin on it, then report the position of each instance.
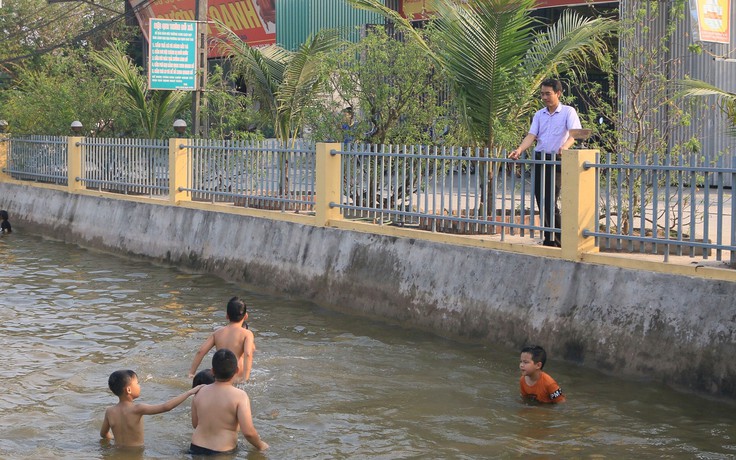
(31, 28)
(283, 82)
(496, 60)
(156, 110)
(230, 112)
(58, 89)
(639, 128)
(701, 89)
(381, 90)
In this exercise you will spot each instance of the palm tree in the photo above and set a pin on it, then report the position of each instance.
(283, 82)
(155, 109)
(698, 88)
(497, 58)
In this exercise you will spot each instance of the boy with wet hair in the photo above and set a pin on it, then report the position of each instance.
(5, 226)
(204, 377)
(536, 384)
(219, 410)
(235, 337)
(125, 419)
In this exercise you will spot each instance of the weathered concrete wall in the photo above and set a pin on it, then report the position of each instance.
(634, 323)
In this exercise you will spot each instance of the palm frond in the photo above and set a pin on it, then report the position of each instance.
(264, 68)
(482, 49)
(401, 23)
(573, 40)
(302, 76)
(155, 110)
(113, 59)
(283, 81)
(692, 88)
(699, 88)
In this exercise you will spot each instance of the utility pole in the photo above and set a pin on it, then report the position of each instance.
(198, 100)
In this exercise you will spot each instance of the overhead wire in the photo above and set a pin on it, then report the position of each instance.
(80, 36)
(38, 25)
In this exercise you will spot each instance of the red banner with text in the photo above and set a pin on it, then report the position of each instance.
(254, 21)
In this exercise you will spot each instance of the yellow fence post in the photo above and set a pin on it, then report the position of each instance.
(4, 140)
(328, 180)
(74, 164)
(578, 203)
(178, 171)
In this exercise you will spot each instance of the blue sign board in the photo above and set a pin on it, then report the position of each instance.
(172, 61)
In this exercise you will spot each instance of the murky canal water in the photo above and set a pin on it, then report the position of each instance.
(326, 385)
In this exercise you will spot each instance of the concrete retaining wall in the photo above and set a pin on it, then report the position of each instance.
(632, 323)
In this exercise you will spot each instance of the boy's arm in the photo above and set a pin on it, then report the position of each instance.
(105, 430)
(245, 419)
(249, 347)
(203, 350)
(555, 392)
(151, 409)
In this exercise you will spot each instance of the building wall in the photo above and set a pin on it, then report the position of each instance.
(707, 123)
(298, 19)
(710, 124)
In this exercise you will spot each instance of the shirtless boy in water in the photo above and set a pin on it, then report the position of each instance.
(220, 409)
(234, 337)
(125, 419)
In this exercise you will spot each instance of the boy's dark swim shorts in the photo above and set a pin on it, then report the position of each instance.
(197, 450)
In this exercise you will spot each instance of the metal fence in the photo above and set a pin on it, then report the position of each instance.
(129, 166)
(38, 158)
(263, 174)
(666, 205)
(669, 205)
(447, 189)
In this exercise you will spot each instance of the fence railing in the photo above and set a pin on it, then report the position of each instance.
(129, 166)
(449, 189)
(666, 205)
(38, 158)
(651, 205)
(264, 174)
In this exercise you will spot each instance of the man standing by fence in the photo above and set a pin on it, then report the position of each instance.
(551, 130)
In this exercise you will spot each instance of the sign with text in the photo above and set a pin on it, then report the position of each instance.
(172, 55)
(254, 21)
(711, 20)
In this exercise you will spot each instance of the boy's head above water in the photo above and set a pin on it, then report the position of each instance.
(204, 377)
(120, 380)
(537, 354)
(224, 365)
(236, 310)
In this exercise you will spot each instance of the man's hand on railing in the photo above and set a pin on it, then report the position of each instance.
(515, 154)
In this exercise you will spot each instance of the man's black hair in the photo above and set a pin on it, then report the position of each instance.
(553, 83)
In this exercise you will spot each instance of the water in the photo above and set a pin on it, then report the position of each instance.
(326, 385)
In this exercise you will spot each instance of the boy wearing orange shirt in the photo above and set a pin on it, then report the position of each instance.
(536, 384)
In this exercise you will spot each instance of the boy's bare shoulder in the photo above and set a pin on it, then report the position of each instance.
(223, 393)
